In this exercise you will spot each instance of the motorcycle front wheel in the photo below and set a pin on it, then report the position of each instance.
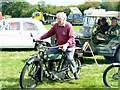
(31, 75)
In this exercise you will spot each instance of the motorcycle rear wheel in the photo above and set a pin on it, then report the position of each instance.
(78, 66)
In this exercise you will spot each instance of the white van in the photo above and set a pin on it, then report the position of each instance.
(15, 32)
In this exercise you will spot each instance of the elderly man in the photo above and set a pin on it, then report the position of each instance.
(64, 35)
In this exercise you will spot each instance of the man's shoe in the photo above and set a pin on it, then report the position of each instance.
(76, 76)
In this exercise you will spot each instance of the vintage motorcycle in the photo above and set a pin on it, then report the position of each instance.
(37, 67)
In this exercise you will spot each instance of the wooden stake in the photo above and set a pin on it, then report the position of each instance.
(88, 45)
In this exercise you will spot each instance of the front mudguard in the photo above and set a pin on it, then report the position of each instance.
(33, 59)
(39, 69)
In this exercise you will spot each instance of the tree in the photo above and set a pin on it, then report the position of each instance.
(87, 5)
(110, 6)
(16, 9)
(20, 9)
(41, 6)
(66, 10)
(24, 9)
(6, 8)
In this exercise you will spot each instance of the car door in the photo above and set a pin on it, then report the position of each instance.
(28, 29)
(11, 35)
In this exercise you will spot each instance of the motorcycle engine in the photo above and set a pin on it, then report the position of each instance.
(58, 75)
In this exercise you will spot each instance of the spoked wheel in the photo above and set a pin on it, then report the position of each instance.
(78, 66)
(111, 76)
(31, 75)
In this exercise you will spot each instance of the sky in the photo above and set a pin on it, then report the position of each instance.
(60, 2)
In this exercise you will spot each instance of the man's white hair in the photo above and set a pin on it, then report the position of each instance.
(62, 14)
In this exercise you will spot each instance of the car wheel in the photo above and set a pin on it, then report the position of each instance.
(116, 57)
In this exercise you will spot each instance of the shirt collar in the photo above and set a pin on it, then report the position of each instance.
(63, 24)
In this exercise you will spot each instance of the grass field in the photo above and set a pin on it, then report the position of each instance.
(12, 62)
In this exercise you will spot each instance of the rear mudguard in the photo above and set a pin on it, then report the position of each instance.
(32, 60)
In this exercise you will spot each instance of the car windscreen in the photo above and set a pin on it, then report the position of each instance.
(89, 21)
(78, 16)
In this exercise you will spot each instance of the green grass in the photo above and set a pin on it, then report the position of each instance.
(12, 63)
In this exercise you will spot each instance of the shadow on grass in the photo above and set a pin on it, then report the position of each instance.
(100, 61)
(53, 82)
(14, 82)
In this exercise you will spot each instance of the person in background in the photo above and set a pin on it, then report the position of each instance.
(99, 22)
(103, 26)
(63, 31)
(118, 20)
(114, 30)
(100, 32)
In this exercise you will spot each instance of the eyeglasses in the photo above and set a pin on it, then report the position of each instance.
(114, 21)
(59, 18)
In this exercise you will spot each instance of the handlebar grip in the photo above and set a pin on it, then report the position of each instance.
(33, 40)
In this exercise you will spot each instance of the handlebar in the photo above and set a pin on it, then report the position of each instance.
(42, 42)
(59, 46)
(37, 40)
(45, 46)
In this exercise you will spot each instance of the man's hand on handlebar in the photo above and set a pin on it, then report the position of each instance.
(64, 47)
(37, 39)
